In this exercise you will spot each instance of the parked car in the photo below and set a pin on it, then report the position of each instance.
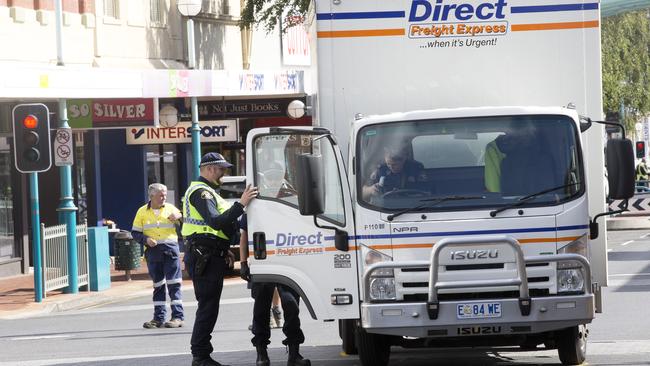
(231, 190)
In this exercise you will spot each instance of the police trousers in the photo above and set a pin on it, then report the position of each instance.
(207, 290)
(263, 295)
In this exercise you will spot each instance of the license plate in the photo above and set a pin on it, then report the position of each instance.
(478, 310)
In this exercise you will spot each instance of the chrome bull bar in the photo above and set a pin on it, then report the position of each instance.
(433, 304)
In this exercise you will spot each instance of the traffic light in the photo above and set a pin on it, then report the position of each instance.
(640, 149)
(32, 138)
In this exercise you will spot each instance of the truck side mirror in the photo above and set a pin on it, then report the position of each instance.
(341, 240)
(620, 168)
(310, 185)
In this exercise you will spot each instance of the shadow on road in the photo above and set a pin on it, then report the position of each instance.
(331, 356)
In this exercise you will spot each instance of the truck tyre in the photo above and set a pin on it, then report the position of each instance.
(374, 349)
(572, 344)
(347, 328)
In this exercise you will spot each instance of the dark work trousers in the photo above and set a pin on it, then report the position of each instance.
(263, 295)
(207, 290)
(164, 265)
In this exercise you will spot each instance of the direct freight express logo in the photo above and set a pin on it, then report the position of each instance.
(439, 19)
(299, 244)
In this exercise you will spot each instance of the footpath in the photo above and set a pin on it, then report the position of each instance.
(17, 298)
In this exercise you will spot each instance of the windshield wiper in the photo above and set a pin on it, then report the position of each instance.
(525, 199)
(432, 202)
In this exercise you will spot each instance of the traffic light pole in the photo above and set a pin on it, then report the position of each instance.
(68, 211)
(36, 237)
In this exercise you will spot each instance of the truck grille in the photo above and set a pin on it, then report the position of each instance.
(413, 283)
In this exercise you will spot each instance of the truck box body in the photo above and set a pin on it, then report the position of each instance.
(479, 234)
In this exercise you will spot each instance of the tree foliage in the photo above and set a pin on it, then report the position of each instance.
(626, 64)
(267, 13)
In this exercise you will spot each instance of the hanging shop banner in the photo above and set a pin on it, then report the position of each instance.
(242, 108)
(110, 113)
(211, 131)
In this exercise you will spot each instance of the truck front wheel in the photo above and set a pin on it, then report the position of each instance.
(347, 328)
(572, 344)
(374, 349)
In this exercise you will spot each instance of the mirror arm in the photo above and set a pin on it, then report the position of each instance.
(617, 124)
(593, 225)
(336, 230)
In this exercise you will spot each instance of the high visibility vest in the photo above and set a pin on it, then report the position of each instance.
(157, 227)
(493, 159)
(193, 222)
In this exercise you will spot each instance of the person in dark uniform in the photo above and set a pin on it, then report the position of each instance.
(262, 292)
(208, 226)
(395, 173)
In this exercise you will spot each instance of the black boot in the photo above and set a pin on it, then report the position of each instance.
(262, 356)
(295, 359)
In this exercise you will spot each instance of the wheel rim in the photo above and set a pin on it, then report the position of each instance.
(583, 332)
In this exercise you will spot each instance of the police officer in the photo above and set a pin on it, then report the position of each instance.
(209, 224)
(154, 226)
(262, 292)
(396, 172)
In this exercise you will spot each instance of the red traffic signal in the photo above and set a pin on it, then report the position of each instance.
(640, 149)
(32, 150)
(30, 121)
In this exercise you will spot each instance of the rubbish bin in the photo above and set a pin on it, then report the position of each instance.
(127, 253)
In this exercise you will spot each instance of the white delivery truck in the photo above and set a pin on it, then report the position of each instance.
(449, 193)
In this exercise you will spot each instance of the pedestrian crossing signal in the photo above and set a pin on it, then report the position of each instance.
(640, 149)
(32, 149)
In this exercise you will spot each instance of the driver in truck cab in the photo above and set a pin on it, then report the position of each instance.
(397, 172)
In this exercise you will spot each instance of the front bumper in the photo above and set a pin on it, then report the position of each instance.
(411, 319)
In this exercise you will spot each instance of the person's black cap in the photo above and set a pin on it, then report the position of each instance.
(214, 158)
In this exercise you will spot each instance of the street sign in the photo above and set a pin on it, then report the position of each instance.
(63, 149)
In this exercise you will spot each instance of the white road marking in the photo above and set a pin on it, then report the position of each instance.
(31, 338)
(630, 274)
(627, 242)
(115, 309)
(644, 236)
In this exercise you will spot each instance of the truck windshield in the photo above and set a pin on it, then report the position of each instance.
(500, 159)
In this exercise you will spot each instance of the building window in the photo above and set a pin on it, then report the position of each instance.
(112, 9)
(158, 13)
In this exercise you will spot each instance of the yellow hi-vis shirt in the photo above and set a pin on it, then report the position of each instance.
(157, 227)
(493, 159)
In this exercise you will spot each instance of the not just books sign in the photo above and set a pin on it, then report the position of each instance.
(211, 131)
(242, 108)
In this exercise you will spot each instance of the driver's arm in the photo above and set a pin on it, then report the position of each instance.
(371, 188)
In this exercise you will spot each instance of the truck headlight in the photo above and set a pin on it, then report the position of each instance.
(382, 288)
(570, 280)
(570, 276)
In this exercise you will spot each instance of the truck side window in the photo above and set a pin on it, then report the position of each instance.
(276, 171)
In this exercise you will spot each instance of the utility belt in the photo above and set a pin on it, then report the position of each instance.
(205, 247)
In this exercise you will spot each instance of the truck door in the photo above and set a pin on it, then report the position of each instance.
(296, 250)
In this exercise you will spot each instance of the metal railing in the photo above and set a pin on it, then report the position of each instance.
(54, 242)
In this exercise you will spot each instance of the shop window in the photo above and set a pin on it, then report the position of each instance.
(158, 13)
(112, 9)
(7, 248)
(80, 177)
(162, 167)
